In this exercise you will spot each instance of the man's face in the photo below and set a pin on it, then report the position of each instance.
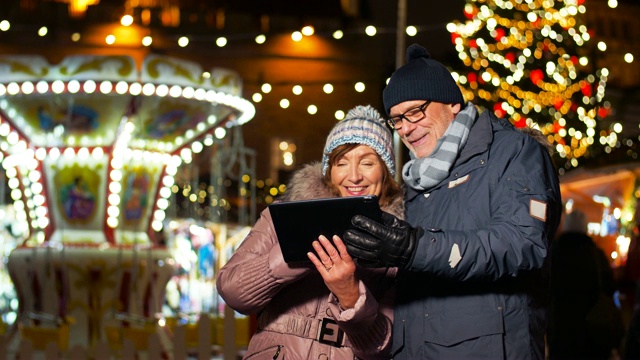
(421, 137)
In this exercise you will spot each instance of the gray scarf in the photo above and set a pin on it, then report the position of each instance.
(425, 173)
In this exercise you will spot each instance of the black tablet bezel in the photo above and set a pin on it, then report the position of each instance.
(299, 223)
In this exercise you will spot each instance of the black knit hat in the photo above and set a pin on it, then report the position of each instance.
(421, 78)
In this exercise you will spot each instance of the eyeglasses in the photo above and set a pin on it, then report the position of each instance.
(412, 115)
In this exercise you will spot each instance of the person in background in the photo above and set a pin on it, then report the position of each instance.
(579, 271)
(631, 349)
(293, 304)
(482, 205)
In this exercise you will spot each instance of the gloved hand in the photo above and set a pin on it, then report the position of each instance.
(392, 243)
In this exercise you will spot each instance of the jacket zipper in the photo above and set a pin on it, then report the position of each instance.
(275, 356)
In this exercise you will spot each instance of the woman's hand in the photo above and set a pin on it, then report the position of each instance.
(337, 269)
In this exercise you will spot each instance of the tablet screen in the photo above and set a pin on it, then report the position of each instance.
(299, 223)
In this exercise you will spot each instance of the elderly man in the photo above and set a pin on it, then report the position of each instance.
(482, 206)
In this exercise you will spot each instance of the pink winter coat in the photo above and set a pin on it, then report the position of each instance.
(292, 303)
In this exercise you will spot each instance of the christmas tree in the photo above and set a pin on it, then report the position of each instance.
(531, 61)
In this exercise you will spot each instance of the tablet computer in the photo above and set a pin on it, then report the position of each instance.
(299, 223)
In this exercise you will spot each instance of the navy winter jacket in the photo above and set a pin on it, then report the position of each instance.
(477, 287)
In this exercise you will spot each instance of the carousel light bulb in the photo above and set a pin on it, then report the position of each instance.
(175, 91)
(42, 87)
(148, 89)
(89, 86)
(114, 199)
(13, 88)
(113, 211)
(163, 203)
(162, 90)
(27, 87)
(38, 200)
(122, 87)
(156, 225)
(106, 87)
(159, 215)
(69, 153)
(116, 175)
(200, 94)
(165, 192)
(112, 222)
(197, 147)
(15, 195)
(13, 182)
(43, 222)
(135, 89)
(83, 153)
(220, 133)
(97, 153)
(116, 163)
(115, 187)
(188, 92)
(54, 153)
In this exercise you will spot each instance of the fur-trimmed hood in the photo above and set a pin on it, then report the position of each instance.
(306, 184)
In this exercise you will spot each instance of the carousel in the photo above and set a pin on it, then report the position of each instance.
(90, 148)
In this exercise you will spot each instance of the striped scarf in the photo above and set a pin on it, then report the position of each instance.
(425, 173)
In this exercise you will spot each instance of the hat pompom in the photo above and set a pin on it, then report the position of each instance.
(416, 51)
(365, 112)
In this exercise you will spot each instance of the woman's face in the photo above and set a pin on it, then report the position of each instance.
(359, 172)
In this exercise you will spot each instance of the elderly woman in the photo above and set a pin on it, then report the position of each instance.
(332, 309)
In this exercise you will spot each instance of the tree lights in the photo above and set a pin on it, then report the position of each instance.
(528, 60)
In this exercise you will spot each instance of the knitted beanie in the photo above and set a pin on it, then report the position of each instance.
(421, 78)
(362, 125)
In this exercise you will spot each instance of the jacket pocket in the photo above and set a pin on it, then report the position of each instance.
(464, 325)
(270, 353)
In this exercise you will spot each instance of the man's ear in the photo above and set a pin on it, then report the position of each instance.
(455, 108)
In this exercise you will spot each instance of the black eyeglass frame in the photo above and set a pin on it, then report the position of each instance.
(395, 120)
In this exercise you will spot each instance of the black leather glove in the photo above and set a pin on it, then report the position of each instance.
(392, 243)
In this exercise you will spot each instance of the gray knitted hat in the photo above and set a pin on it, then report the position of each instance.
(362, 125)
(421, 78)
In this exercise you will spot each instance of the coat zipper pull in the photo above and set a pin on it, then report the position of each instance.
(275, 356)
